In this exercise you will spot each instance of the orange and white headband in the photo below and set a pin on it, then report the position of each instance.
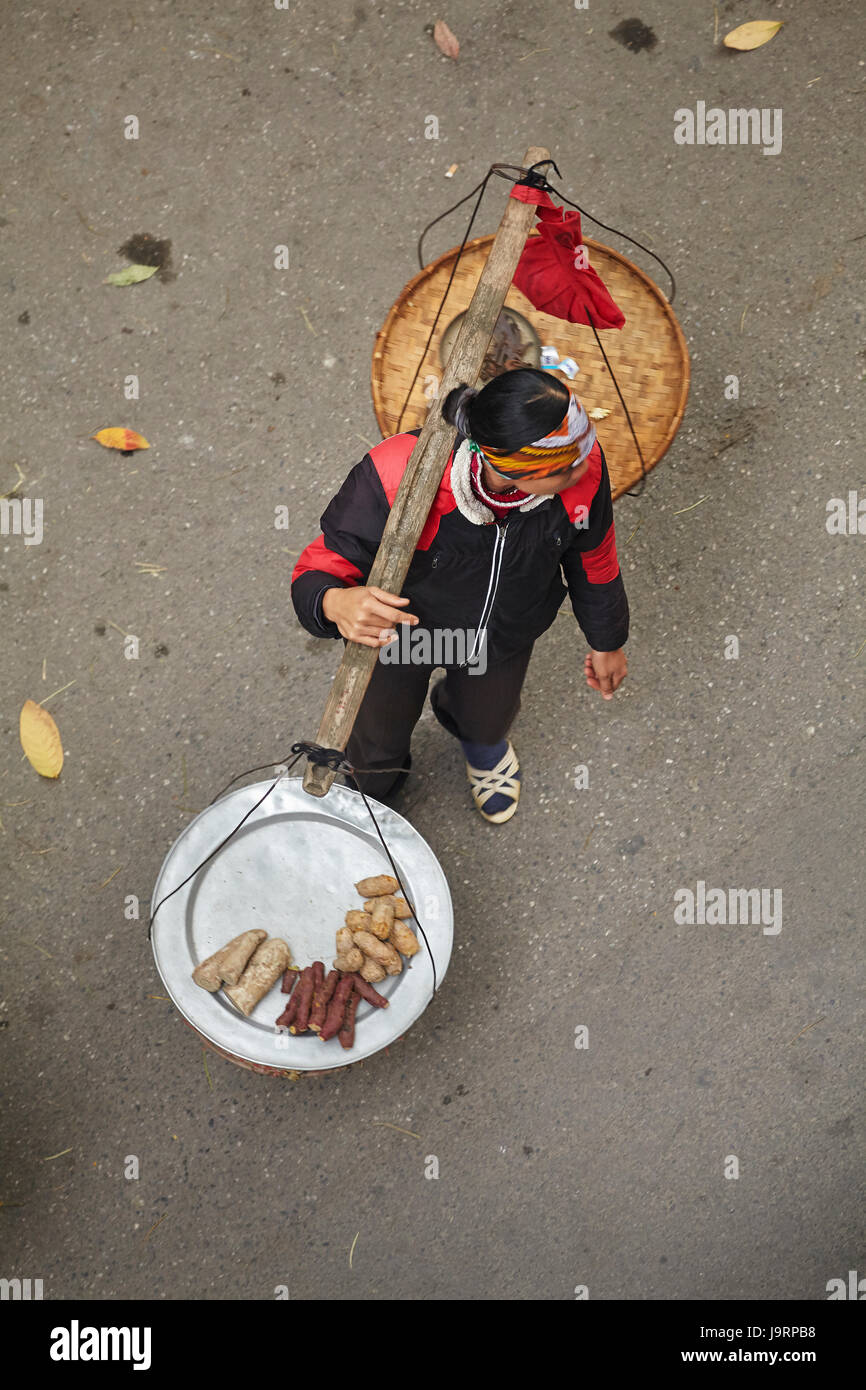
(567, 446)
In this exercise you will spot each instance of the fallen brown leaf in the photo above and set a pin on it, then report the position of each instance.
(445, 40)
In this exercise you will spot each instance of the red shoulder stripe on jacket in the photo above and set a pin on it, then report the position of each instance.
(601, 565)
(317, 556)
(577, 500)
(390, 459)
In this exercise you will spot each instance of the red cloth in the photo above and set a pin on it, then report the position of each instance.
(546, 272)
(524, 194)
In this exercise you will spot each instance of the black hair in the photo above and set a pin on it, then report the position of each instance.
(515, 408)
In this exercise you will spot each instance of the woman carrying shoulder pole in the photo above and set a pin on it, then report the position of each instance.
(523, 515)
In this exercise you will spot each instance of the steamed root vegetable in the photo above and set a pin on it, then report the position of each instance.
(404, 940)
(355, 921)
(380, 951)
(347, 1028)
(349, 961)
(239, 952)
(344, 939)
(226, 965)
(372, 971)
(265, 967)
(381, 919)
(311, 975)
(290, 979)
(337, 1008)
(366, 991)
(321, 999)
(348, 956)
(288, 1013)
(378, 885)
(400, 905)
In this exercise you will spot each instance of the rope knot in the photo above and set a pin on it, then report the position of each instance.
(334, 758)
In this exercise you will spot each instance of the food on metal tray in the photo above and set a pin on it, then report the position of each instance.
(311, 976)
(289, 1012)
(380, 951)
(400, 905)
(337, 1008)
(372, 971)
(322, 996)
(265, 967)
(381, 919)
(367, 992)
(347, 962)
(369, 948)
(226, 965)
(344, 938)
(347, 1028)
(348, 956)
(404, 939)
(378, 885)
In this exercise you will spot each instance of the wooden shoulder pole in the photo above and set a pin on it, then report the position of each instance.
(423, 474)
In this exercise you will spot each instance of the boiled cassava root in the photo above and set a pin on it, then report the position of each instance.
(226, 965)
(247, 967)
(267, 963)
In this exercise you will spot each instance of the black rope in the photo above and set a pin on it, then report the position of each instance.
(532, 178)
(642, 484)
(335, 759)
(549, 188)
(482, 186)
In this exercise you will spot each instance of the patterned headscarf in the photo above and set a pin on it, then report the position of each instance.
(567, 446)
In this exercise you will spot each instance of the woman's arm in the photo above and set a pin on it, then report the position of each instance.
(328, 582)
(590, 563)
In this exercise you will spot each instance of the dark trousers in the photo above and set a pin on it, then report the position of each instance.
(478, 708)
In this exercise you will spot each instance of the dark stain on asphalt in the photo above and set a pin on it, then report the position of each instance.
(632, 846)
(144, 249)
(634, 35)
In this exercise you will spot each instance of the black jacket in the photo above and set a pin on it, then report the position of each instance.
(504, 576)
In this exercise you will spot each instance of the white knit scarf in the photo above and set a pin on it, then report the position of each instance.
(468, 504)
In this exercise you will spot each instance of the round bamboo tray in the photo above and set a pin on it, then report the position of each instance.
(648, 355)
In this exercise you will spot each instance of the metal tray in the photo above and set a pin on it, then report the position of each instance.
(291, 870)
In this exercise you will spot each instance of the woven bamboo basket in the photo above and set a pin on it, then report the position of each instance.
(648, 355)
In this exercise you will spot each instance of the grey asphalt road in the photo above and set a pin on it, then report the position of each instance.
(607, 1167)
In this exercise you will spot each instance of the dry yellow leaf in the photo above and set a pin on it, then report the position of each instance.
(753, 34)
(598, 413)
(120, 439)
(40, 739)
